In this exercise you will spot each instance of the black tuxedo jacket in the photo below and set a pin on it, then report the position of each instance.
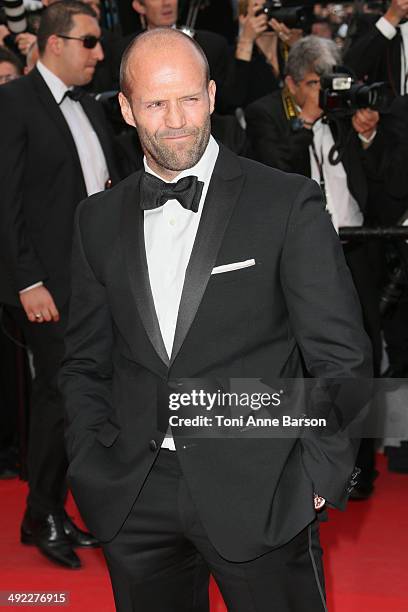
(41, 184)
(273, 142)
(295, 305)
(372, 56)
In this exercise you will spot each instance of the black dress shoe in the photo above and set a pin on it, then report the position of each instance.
(365, 486)
(362, 492)
(77, 536)
(47, 533)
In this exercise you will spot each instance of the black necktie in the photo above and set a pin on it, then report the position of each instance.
(155, 193)
(75, 94)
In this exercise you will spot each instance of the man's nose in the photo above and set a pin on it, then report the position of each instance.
(175, 116)
(98, 52)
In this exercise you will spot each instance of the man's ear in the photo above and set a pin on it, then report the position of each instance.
(126, 110)
(290, 84)
(211, 94)
(55, 44)
(138, 7)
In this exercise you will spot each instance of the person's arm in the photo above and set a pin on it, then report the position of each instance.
(239, 78)
(371, 143)
(325, 315)
(252, 25)
(22, 261)
(370, 41)
(365, 122)
(86, 372)
(274, 144)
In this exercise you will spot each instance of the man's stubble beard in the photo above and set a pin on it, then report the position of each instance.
(169, 158)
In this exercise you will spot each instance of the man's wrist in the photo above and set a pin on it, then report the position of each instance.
(244, 49)
(244, 40)
(34, 286)
(368, 139)
(388, 23)
(307, 121)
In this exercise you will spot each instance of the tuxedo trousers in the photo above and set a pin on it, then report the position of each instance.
(162, 558)
(47, 462)
(362, 261)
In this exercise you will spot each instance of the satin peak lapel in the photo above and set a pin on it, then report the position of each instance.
(224, 190)
(132, 231)
(53, 110)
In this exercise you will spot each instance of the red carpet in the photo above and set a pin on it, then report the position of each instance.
(366, 556)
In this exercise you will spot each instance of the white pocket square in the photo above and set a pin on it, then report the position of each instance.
(233, 266)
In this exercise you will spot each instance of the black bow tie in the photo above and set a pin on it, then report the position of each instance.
(75, 94)
(155, 193)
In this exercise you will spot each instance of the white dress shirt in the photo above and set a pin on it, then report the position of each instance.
(91, 156)
(389, 31)
(169, 233)
(341, 205)
(90, 153)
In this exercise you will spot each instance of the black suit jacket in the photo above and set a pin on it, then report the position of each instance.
(297, 303)
(273, 142)
(371, 55)
(41, 184)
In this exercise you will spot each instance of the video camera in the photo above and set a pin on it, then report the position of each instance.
(340, 95)
(289, 12)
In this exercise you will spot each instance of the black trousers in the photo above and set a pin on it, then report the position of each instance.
(362, 259)
(161, 559)
(47, 463)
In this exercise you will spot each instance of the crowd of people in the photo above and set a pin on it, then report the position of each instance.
(63, 138)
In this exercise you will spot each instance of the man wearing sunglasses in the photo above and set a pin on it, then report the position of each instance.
(54, 151)
(106, 72)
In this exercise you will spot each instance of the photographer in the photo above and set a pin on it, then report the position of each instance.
(378, 47)
(261, 52)
(287, 130)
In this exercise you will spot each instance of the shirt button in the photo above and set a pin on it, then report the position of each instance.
(153, 445)
(172, 222)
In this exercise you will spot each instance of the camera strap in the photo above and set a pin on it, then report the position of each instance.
(289, 105)
(292, 116)
(291, 111)
(322, 182)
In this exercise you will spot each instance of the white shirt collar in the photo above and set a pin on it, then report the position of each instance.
(202, 169)
(56, 86)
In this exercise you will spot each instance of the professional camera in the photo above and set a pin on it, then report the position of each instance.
(341, 95)
(19, 16)
(15, 15)
(289, 12)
